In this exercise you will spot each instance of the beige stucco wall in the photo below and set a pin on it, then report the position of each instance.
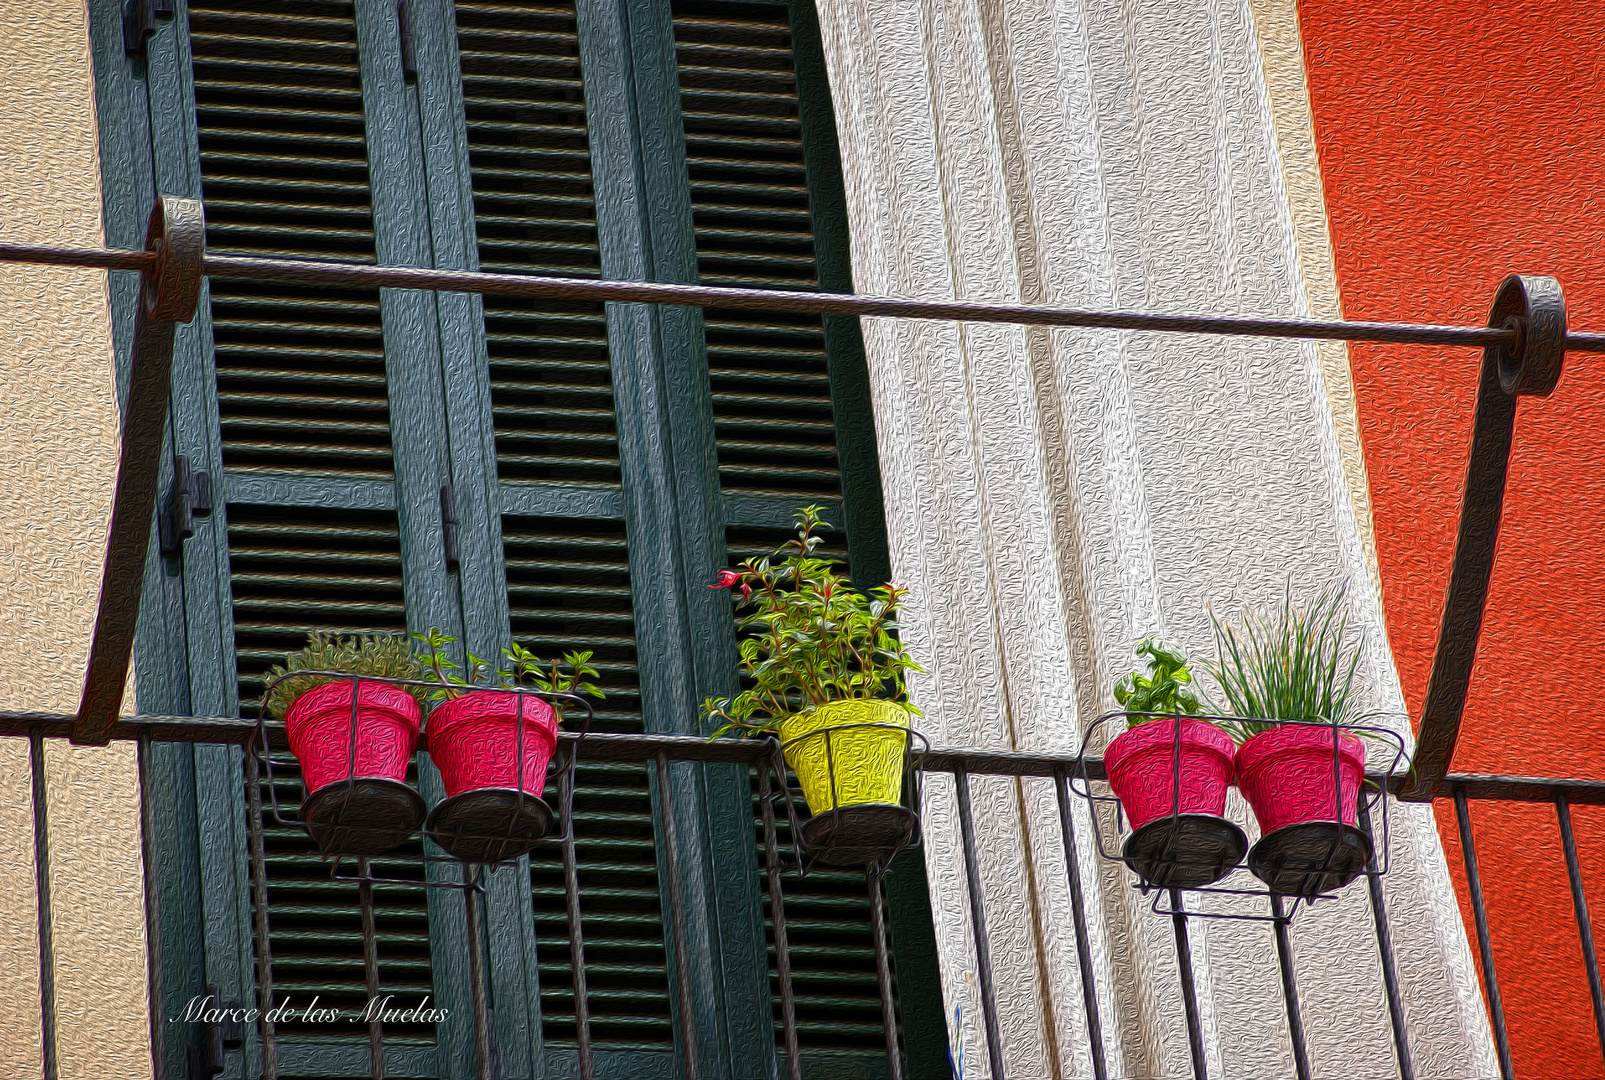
(58, 441)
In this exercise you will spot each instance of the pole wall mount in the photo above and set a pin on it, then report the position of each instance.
(1534, 310)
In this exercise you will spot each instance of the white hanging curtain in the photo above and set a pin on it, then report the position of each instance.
(1052, 495)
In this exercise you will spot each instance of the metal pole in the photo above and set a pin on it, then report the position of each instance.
(883, 973)
(41, 869)
(167, 296)
(1390, 969)
(1534, 308)
(484, 1070)
(1295, 1019)
(576, 950)
(983, 947)
(259, 901)
(682, 951)
(1585, 925)
(1490, 978)
(777, 910)
(1189, 987)
(1078, 909)
(370, 969)
(810, 303)
(153, 917)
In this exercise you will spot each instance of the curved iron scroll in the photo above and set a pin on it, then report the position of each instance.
(1534, 308)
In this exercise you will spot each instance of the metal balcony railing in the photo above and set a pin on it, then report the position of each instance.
(962, 768)
(1523, 345)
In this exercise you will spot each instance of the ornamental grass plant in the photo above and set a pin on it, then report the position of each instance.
(1290, 664)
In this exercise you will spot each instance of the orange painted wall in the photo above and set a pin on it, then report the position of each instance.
(1461, 141)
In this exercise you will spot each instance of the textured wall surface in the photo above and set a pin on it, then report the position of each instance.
(1053, 495)
(1446, 169)
(57, 460)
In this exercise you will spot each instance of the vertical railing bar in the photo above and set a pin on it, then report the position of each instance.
(1189, 988)
(370, 971)
(1390, 973)
(983, 948)
(883, 973)
(1585, 925)
(1295, 1018)
(1078, 909)
(483, 1052)
(41, 869)
(157, 992)
(259, 896)
(777, 908)
(1390, 968)
(1490, 978)
(576, 947)
(682, 951)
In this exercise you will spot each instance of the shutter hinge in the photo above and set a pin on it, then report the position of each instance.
(217, 1037)
(139, 22)
(409, 54)
(191, 498)
(448, 525)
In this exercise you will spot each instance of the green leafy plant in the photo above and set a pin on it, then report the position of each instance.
(571, 675)
(810, 637)
(383, 656)
(1291, 664)
(1165, 688)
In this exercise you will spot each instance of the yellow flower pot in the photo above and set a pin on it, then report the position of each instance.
(868, 761)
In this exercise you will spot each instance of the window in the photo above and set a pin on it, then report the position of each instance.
(602, 464)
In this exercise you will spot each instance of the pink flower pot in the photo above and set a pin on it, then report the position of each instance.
(473, 740)
(1286, 776)
(318, 725)
(1140, 766)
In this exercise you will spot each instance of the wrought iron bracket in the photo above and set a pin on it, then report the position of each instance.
(1534, 310)
(168, 293)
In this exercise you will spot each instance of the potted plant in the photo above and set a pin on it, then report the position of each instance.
(1171, 772)
(492, 745)
(825, 674)
(357, 801)
(1290, 679)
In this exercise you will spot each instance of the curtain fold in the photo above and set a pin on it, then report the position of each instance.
(1052, 495)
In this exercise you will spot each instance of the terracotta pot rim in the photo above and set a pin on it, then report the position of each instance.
(1291, 738)
(401, 705)
(1196, 734)
(538, 715)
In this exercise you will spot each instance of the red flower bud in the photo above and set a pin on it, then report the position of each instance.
(727, 579)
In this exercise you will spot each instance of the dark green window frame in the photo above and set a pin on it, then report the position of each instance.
(439, 409)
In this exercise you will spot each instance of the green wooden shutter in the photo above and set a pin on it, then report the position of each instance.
(568, 578)
(287, 396)
(762, 173)
(556, 451)
(303, 412)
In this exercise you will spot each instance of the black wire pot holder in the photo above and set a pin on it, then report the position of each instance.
(1179, 852)
(859, 834)
(363, 816)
